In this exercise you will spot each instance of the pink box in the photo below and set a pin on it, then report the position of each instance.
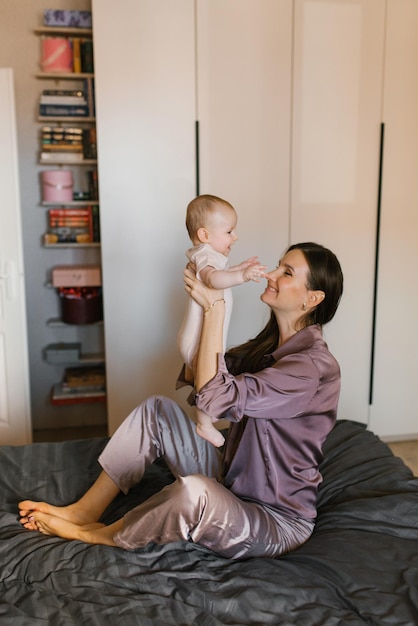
(56, 55)
(57, 186)
(76, 276)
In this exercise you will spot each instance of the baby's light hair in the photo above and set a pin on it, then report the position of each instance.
(199, 209)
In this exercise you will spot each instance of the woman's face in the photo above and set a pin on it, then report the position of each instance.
(286, 290)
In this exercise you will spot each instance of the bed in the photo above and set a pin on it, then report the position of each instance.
(359, 567)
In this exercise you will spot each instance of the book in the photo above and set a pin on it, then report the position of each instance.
(84, 377)
(93, 185)
(50, 156)
(86, 53)
(76, 48)
(62, 147)
(60, 212)
(65, 396)
(89, 143)
(64, 217)
(65, 100)
(89, 90)
(63, 92)
(95, 223)
(61, 110)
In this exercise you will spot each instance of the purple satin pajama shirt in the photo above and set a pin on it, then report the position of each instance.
(259, 497)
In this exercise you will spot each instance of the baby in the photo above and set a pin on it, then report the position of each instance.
(211, 224)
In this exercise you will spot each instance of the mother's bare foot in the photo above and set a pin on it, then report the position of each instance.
(71, 513)
(48, 524)
(89, 533)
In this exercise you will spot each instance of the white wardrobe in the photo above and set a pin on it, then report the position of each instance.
(276, 105)
(394, 410)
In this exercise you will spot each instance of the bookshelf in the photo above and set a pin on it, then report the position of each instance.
(67, 142)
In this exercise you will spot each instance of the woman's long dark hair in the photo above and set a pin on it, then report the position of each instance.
(324, 274)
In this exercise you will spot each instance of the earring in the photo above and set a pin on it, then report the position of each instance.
(304, 306)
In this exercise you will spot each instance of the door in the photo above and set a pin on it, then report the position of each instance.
(337, 95)
(15, 423)
(244, 112)
(145, 107)
(394, 410)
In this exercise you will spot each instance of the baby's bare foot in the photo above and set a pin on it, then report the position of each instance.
(211, 434)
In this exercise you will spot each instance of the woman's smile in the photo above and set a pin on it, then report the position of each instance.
(271, 288)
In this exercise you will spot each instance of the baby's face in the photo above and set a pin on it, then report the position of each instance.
(221, 231)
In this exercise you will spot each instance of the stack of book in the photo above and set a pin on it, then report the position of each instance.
(73, 226)
(63, 103)
(81, 384)
(60, 144)
(67, 145)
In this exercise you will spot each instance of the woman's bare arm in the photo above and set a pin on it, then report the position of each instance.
(211, 339)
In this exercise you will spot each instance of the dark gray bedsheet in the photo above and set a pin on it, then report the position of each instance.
(359, 567)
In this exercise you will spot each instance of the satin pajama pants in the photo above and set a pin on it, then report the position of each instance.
(196, 506)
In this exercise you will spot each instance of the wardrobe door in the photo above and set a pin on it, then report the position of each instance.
(395, 388)
(145, 98)
(337, 87)
(243, 110)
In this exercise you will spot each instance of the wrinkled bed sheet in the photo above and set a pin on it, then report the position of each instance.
(359, 567)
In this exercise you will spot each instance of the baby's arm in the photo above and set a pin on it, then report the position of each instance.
(249, 269)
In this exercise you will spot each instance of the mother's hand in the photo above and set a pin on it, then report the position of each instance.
(203, 295)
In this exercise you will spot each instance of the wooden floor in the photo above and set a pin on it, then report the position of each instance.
(406, 450)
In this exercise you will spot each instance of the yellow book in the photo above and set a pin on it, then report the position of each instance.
(76, 44)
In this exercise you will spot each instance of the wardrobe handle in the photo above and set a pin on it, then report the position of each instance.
(197, 158)
(376, 260)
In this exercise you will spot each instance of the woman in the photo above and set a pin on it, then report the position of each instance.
(280, 393)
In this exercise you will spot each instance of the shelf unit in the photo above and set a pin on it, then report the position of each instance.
(61, 79)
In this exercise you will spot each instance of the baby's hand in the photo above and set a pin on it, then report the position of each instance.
(254, 272)
(251, 269)
(247, 263)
